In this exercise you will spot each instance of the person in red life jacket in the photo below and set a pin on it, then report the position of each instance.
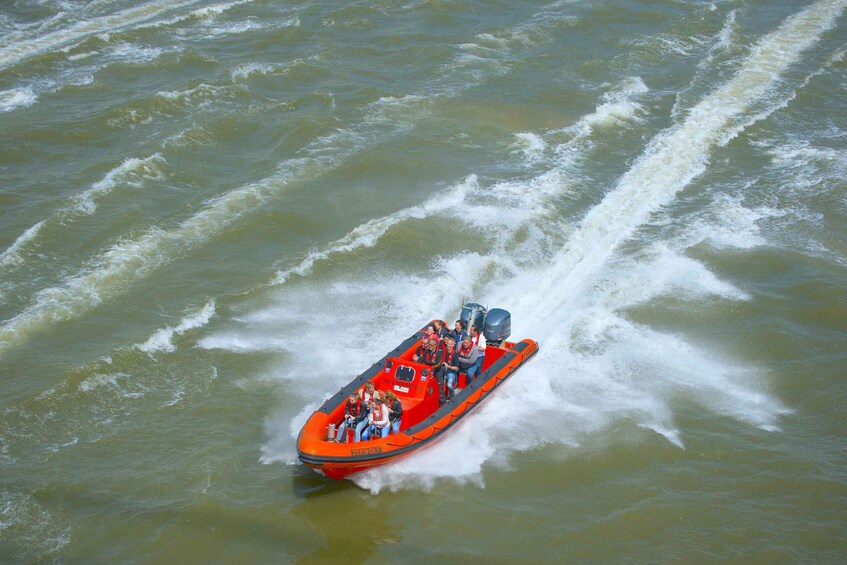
(450, 365)
(368, 395)
(395, 412)
(354, 413)
(421, 350)
(378, 421)
(430, 354)
(468, 354)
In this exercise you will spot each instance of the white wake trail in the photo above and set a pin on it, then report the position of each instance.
(675, 157)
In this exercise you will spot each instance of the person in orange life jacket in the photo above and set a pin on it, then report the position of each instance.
(377, 420)
(354, 413)
(450, 365)
(395, 412)
(368, 395)
(468, 354)
(459, 333)
(430, 354)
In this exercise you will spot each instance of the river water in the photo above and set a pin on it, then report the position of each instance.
(213, 214)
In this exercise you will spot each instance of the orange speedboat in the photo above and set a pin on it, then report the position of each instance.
(423, 421)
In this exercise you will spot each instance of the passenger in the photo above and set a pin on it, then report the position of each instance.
(368, 395)
(450, 365)
(430, 333)
(429, 354)
(440, 329)
(468, 354)
(421, 351)
(353, 414)
(459, 332)
(475, 335)
(395, 412)
(477, 368)
(378, 423)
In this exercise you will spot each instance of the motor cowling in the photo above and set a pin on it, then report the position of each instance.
(498, 325)
(473, 315)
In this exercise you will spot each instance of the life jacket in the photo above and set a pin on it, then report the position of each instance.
(429, 356)
(450, 356)
(354, 408)
(378, 413)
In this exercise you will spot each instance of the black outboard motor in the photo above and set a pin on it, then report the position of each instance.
(498, 326)
(473, 315)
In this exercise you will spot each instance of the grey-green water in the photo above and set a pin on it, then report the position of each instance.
(214, 214)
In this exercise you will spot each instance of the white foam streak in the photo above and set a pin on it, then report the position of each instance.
(15, 52)
(17, 98)
(162, 340)
(369, 233)
(729, 224)
(12, 256)
(532, 145)
(132, 172)
(617, 108)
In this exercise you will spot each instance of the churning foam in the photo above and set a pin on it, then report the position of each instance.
(17, 98)
(24, 518)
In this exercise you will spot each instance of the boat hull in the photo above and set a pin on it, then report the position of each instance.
(428, 422)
